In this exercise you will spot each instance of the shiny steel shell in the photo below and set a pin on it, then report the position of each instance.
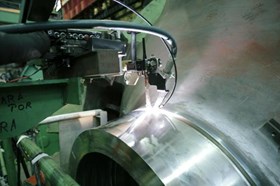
(212, 130)
(157, 148)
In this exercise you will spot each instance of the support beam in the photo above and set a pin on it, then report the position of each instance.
(9, 158)
(25, 104)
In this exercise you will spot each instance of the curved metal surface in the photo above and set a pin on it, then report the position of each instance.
(152, 145)
(109, 145)
(228, 77)
(228, 88)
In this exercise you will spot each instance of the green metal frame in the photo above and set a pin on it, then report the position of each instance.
(9, 16)
(23, 105)
(9, 158)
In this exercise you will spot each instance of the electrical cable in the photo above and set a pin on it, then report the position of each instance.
(101, 24)
(165, 99)
(105, 24)
(24, 77)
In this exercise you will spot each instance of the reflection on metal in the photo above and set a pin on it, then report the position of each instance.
(211, 132)
(71, 125)
(69, 130)
(189, 164)
(174, 152)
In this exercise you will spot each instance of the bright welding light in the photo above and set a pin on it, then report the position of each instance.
(148, 112)
(139, 121)
(157, 103)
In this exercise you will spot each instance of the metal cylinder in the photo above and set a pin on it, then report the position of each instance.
(156, 148)
(133, 48)
(54, 175)
(221, 125)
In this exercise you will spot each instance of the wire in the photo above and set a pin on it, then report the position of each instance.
(165, 99)
(135, 12)
(24, 77)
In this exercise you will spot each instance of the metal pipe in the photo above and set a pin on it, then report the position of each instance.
(2, 163)
(9, 158)
(69, 116)
(105, 24)
(133, 47)
(53, 173)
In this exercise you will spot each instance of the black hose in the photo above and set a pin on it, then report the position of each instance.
(117, 25)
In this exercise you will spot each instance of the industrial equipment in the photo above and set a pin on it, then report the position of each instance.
(88, 49)
(220, 127)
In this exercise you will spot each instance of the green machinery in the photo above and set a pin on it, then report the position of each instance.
(9, 11)
(73, 54)
(31, 102)
(24, 105)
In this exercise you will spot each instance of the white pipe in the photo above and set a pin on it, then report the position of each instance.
(3, 168)
(69, 116)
